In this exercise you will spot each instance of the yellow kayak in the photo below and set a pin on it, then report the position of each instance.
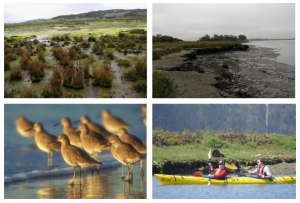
(181, 180)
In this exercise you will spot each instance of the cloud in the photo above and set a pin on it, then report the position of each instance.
(192, 21)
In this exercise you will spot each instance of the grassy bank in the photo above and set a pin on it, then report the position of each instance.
(165, 48)
(236, 145)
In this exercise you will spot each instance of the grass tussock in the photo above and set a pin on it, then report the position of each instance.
(36, 70)
(163, 86)
(138, 71)
(29, 93)
(15, 73)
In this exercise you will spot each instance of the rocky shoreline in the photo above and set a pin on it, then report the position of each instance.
(229, 72)
(277, 166)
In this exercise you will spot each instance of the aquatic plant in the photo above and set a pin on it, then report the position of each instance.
(29, 93)
(15, 73)
(36, 70)
(140, 86)
(91, 39)
(105, 77)
(41, 56)
(8, 94)
(138, 71)
(67, 77)
(78, 79)
(124, 63)
(85, 44)
(6, 63)
(110, 54)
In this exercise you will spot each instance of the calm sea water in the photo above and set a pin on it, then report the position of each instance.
(251, 191)
(20, 159)
(285, 48)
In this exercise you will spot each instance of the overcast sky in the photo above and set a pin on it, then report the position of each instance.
(18, 12)
(192, 21)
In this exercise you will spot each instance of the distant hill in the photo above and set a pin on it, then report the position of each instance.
(101, 14)
(108, 14)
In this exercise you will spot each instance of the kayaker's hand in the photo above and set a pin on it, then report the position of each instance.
(263, 176)
(209, 164)
(249, 172)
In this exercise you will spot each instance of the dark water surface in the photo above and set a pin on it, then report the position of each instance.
(25, 166)
(234, 191)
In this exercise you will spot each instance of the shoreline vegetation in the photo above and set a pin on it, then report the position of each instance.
(186, 152)
(61, 58)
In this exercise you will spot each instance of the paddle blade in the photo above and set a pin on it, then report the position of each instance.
(230, 166)
(209, 154)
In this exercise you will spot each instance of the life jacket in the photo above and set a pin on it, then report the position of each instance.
(260, 171)
(218, 171)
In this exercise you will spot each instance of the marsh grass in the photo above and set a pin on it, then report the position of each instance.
(67, 77)
(15, 73)
(162, 86)
(138, 71)
(166, 48)
(124, 63)
(29, 93)
(36, 70)
(8, 94)
(140, 86)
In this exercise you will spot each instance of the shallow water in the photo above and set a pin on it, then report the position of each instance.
(25, 166)
(284, 48)
(244, 191)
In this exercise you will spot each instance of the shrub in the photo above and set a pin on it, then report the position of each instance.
(162, 85)
(110, 54)
(138, 71)
(78, 79)
(67, 77)
(124, 63)
(41, 56)
(36, 70)
(85, 44)
(29, 93)
(9, 94)
(91, 39)
(6, 63)
(15, 73)
(140, 86)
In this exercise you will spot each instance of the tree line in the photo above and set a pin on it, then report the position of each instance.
(272, 118)
(223, 38)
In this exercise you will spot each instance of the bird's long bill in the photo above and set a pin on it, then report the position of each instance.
(76, 121)
(53, 141)
(28, 129)
(209, 154)
(56, 124)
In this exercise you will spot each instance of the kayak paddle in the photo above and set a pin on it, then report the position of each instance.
(209, 154)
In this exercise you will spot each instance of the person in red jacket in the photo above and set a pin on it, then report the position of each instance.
(220, 172)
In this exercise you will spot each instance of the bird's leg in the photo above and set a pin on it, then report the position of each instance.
(98, 160)
(74, 175)
(131, 173)
(123, 172)
(142, 171)
(51, 158)
(48, 159)
(128, 173)
(80, 174)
